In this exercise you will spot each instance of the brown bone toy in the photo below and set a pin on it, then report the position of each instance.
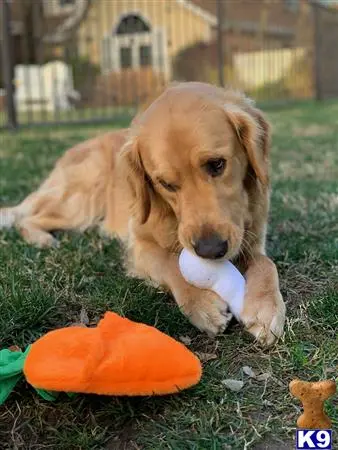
(313, 395)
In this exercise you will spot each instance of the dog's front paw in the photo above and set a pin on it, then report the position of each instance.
(207, 311)
(39, 238)
(264, 318)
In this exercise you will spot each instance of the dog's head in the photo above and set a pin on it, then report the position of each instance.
(195, 151)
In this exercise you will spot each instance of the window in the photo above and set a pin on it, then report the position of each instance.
(125, 57)
(145, 55)
(66, 2)
(292, 5)
(133, 44)
(132, 24)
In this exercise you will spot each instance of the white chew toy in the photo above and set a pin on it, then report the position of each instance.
(219, 276)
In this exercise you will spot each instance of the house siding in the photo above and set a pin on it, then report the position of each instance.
(182, 26)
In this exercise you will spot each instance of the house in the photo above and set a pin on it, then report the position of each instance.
(131, 34)
(133, 46)
(121, 34)
(131, 43)
(246, 23)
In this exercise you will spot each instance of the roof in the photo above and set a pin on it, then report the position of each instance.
(242, 20)
(209, 6)
(201, 9)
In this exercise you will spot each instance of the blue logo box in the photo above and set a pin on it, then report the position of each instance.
(313, 439)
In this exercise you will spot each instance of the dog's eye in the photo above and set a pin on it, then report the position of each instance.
(215, 167)
(169, 187)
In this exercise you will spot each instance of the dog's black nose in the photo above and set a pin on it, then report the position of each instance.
(211, 247)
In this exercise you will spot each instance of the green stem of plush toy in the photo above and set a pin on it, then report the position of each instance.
(11, 371)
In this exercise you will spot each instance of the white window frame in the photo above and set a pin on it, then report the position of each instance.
(135, 12)
(155, 38)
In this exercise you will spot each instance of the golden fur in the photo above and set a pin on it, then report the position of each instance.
(148, 186)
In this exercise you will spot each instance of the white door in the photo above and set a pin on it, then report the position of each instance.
(134, 51)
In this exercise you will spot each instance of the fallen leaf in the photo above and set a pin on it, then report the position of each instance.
(205, 357)
(185, 339)
(249, 372)
(263, 376)
(233, 385)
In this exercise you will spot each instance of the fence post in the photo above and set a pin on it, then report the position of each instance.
(317, 50)
(7, 62)
(220, 52)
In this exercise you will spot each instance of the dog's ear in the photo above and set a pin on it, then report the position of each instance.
(133, 169)
(253, 132)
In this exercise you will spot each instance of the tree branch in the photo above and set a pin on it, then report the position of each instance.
(64, 31)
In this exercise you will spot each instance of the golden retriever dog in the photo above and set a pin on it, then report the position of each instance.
(192, 171)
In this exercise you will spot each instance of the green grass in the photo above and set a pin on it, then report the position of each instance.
(69, 116)
(44, 289)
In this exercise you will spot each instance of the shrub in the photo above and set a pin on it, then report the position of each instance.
(128, 87)
(84, 76)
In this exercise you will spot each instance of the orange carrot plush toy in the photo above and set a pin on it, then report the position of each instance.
(118, 357)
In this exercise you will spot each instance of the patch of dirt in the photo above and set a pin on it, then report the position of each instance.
(311, 130)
